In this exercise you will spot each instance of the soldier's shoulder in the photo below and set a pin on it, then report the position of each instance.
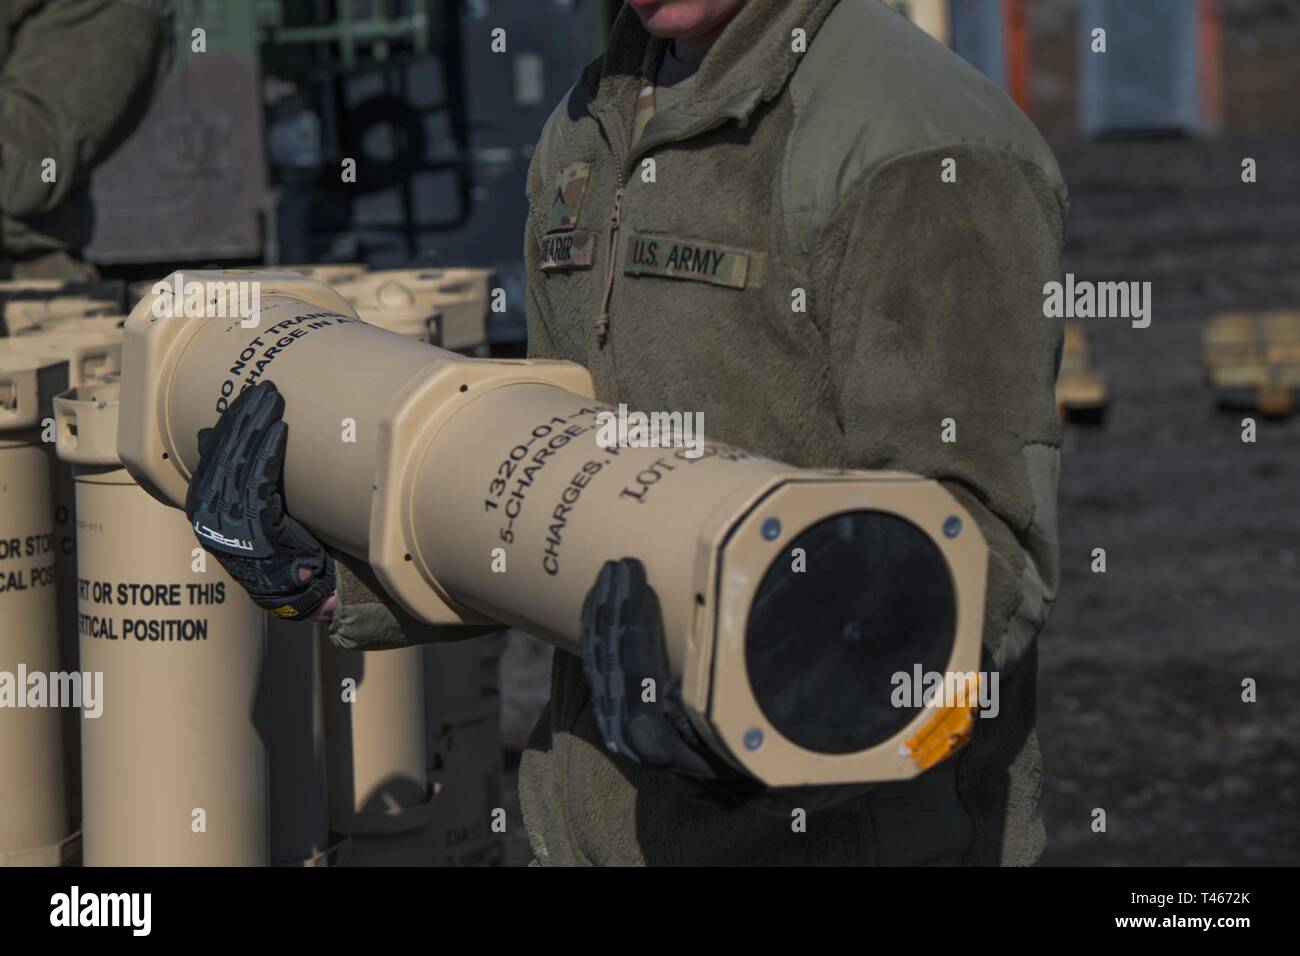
(873, 88)
(559, 127)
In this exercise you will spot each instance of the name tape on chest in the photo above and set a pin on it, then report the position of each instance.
(567, 250)
(688, 259)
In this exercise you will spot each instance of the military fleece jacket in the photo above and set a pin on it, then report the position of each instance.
(839, 250)
(75, 79)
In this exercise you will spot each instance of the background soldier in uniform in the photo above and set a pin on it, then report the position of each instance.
(76, 77)
(815, 225)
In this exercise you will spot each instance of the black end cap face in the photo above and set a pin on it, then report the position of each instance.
(823, 644)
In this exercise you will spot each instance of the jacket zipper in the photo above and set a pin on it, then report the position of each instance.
(614, 132)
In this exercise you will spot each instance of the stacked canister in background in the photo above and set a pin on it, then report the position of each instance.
(174, 768)
(202, 732)
(458, 742)
(38, 805)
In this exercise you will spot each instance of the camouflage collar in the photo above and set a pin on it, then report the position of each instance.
(749, 65)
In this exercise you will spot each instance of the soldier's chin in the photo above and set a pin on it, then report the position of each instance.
(670, 19)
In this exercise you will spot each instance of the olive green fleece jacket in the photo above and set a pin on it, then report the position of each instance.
(76, 77)
(799, 265)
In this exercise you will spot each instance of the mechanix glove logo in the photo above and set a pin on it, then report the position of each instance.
(237, 512)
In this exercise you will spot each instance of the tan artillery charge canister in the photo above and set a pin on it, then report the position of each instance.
(331, 273)
(466, 774)
(379, 790)
(414, 322)
(88, 323)
(92, 349)
(22, 314)
(37, 810)
(494, 491)
(459, 296)
(175, 768)
(462, 709)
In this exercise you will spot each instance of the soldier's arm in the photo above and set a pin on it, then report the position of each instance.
(76, 82)
(930, 297)
(365, 617)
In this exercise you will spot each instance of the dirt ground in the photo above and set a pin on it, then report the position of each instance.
(1142, 666)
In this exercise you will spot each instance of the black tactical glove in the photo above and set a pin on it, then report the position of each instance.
(236, 509)
(623, 645)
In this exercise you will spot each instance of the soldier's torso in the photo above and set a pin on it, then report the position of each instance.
(711, 309)
(708, 310)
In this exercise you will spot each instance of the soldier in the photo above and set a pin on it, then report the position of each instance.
(815, 225)
(75, 79)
